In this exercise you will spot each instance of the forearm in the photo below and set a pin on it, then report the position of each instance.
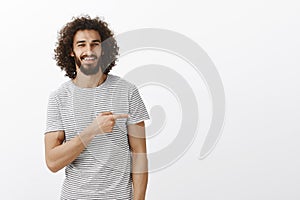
(59, 154)
(139, 176)
(62, 155)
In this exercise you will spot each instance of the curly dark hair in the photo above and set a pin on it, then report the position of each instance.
(64, 46)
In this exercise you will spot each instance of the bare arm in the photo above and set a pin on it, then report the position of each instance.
(59, 154)
(137, 142)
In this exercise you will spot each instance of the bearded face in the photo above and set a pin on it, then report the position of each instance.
(87, 51)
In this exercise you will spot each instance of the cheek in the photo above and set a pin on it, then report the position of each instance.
(77, 54)
(98, 51)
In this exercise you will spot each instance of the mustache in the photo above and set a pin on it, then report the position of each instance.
(84, 56)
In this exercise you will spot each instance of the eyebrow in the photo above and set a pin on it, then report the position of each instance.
(83, 41)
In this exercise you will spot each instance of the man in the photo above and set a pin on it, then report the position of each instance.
(95, 121)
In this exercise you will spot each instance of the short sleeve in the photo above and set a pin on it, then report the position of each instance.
(54, 122)
(137, 109)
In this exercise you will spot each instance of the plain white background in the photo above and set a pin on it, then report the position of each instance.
(255, 46)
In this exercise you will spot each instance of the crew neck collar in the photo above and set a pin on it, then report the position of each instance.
(92, 88)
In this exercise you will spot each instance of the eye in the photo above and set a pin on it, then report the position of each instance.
(95, 44)
(80, 45)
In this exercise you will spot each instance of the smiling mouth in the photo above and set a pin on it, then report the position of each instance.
(89, 58)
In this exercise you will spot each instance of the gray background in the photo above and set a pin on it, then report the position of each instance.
(255, 47)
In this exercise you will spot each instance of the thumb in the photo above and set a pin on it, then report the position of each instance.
(105, 113)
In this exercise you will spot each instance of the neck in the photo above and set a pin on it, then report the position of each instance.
(89, 81)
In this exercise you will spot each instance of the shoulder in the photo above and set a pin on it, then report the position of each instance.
(121, 82)
(121, 86)
(62, 91)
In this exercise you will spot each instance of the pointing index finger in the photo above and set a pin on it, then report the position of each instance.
(118, 116)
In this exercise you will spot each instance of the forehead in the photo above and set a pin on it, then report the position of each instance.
(86, 35)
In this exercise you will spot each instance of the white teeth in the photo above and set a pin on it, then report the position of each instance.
(89, 58)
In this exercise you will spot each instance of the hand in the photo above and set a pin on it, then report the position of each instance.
(105, 122)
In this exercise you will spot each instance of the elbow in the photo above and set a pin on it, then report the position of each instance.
(52, 166)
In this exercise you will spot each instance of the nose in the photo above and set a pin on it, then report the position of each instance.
(89, 51)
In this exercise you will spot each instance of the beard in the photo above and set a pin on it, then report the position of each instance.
(88, 69)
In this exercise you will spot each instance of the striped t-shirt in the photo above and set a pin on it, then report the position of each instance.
(102, 170)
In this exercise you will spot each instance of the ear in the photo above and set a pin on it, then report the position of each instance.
(72, 54)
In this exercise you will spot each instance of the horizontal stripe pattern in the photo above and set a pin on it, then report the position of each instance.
(102, 170)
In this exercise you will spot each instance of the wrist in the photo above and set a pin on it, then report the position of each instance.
(86, 136)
